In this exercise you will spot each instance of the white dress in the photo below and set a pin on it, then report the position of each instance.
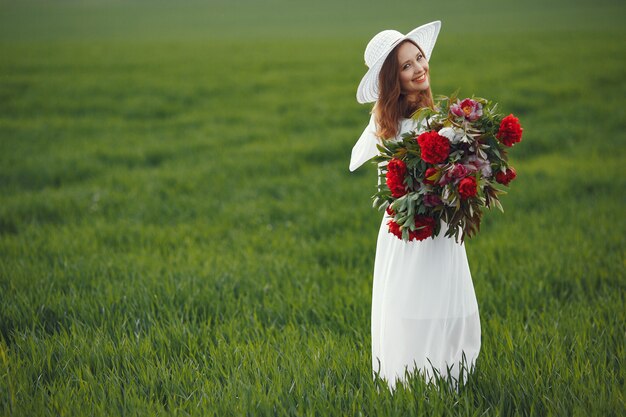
(424, 309)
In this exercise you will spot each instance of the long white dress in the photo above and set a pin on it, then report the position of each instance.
(424, 309)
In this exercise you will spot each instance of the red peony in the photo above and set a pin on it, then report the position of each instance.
(429, 173)
(434, 147)
(394, 229)
(396, 172)
(468, 187)
(427, 224)
(510, 131)
(506, 177)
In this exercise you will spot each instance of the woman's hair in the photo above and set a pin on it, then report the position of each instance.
(392, 104)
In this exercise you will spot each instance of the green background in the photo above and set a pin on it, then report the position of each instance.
(180, 235)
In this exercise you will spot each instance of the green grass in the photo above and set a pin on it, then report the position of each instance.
(179, 233)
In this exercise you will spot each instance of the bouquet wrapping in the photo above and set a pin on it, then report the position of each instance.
(448, 172)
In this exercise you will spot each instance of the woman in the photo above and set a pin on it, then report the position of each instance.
(424, 310)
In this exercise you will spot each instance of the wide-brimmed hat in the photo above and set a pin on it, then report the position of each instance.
(379, 48)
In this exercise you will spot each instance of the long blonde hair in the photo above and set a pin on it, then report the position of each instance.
(392, 105)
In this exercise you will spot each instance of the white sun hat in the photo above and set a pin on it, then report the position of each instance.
(379, 48)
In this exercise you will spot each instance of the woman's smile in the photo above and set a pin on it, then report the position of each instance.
(420, 79)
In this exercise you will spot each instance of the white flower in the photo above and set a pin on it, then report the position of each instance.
(454, 135)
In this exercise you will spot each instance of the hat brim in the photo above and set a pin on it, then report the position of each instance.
(424, 36)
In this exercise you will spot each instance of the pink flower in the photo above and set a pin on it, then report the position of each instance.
(478, 164)
(469, 109)
(455, 173)
(432, 200)
(459, 171)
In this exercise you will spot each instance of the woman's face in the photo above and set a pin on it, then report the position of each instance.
(414, 76)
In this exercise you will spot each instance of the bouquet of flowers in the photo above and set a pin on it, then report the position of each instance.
(449, 172)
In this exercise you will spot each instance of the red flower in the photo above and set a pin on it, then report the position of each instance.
(434, 147)
(429, 173)
(394, 229)
(506, 177)
(427, 224)
(396, 172)
(468, 187)
(390, 211)
(510, 131)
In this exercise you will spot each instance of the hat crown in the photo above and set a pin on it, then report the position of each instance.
(380, 44)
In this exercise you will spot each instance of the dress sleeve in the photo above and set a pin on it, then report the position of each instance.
(365, 148)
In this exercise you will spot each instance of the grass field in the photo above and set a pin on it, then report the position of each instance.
(180, 235)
